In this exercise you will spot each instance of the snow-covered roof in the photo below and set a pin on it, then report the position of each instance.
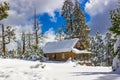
(80, 51)
(117, 44)
(60, 46)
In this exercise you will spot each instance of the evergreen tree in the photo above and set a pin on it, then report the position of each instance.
(23, 42)
(4, 7)
(19, 48)
(75, 22)
(98, 49)
(79, 20)
(115, 20)
(109, 49)
(7, 36)
(67, 13)
(36, 49)
(80, 29)
(36, 29)
(115, 28)
(31, 41)
(93, 50)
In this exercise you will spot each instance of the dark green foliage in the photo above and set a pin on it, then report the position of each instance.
(75, 22)
(109, 48)
(67, 13)
(81, 30)
(9, 34)
(115, 20)
(4, 7)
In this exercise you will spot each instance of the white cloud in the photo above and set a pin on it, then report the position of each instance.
(49, 35)
(22, 10)
(94, 7)
(99, 13)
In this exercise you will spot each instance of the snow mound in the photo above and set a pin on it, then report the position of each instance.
(116, 63)
(117, 71)
(69, 60)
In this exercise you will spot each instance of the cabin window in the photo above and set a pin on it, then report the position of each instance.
(63, 56)
(78, 44)
(54, 56)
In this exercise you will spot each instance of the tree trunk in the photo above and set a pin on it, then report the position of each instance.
(36, 38)
(23, 38)
(35, 28)
(3, 42)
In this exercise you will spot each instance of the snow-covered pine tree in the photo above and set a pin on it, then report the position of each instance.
(75, 22)
(29, 50)
(67, 13)
(115, 29)
(93, 50)
(116, 59)
(36, 48)
(23, 38)
(97, 49)
(80, 29)
(117, 47)
(19, 48)
(109, 49)
(32, 42)
(8, 34)
(115, 20)
(4, 7)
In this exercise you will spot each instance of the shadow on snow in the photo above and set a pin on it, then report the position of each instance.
(105, 75)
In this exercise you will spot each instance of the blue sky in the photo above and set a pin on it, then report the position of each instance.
(47, 23)
(48, 14)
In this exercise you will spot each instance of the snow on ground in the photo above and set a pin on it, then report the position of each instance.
(13, 69)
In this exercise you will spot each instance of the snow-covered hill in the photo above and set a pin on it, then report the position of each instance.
(13, 69)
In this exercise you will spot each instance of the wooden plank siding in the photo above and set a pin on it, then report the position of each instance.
(60, 57)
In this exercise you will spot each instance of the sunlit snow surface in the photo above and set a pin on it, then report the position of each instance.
(13, 69)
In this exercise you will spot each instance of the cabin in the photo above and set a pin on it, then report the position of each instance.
(65, 49)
